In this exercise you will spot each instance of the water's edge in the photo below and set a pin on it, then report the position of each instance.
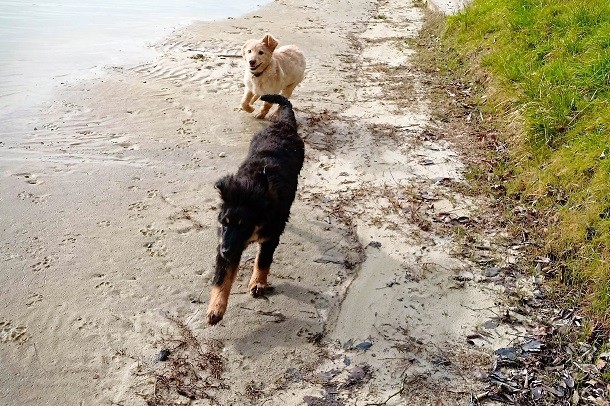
(46, 44)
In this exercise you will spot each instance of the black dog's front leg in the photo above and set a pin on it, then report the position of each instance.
(264, 258)
(222, 282)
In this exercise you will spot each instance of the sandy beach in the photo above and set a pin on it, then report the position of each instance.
(108, 221)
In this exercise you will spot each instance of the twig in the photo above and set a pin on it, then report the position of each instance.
(484, 308)
(38, 357)
(198, 307)
(279, 316)
(392, 176)
(385, 402)
(218, 55)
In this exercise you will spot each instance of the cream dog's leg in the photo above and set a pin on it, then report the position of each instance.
(286, 92)
(264, 110)
(247, 100)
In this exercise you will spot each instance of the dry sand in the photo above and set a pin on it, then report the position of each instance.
(108, 218)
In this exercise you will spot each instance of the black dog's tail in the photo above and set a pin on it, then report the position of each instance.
(286, 113)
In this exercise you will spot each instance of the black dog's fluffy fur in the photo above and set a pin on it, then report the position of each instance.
(256, 204)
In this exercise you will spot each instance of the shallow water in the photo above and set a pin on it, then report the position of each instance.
(43, 43)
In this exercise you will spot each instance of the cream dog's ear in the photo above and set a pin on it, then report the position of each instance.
(270, 42)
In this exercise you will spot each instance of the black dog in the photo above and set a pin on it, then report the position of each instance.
(256, 205)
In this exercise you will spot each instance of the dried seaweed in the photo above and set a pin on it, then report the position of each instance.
(187, 369)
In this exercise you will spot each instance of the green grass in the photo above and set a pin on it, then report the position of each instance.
(549, 67)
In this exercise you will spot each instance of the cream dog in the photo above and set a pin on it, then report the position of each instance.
(270, 71)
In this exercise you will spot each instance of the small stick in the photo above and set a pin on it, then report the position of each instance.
(218, 55)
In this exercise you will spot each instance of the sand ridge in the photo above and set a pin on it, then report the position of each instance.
(109, 216)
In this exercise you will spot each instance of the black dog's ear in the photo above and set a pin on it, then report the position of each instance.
(222, 185)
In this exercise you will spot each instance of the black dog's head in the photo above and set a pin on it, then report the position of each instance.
(241, 215)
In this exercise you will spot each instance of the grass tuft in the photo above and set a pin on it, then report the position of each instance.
(549, 67)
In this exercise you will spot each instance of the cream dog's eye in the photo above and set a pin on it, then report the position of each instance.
(249, 51)
(260, 52)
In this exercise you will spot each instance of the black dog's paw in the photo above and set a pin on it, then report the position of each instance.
(257, 290)
(214, 318)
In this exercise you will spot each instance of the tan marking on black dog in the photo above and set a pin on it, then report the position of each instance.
(258, 282)
(219, 298)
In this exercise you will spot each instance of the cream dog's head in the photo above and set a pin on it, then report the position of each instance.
(258, 53)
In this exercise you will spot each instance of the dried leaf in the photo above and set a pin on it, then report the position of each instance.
(536, 392)
(587, 368)
(531, 346)
(575, 398)
(569, 381)
(600, 364)
(365, 345)
(509, 353)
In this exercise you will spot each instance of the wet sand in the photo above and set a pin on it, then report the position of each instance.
(46, 44)
(109, 230)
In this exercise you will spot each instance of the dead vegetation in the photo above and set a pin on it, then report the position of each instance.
(185, 370)
(320, 131)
